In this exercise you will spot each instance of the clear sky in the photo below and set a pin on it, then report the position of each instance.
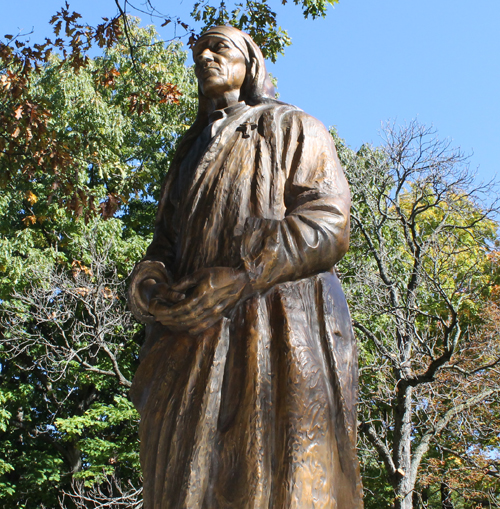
(369, 61)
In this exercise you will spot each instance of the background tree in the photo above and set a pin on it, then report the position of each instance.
(71, 232)
(418, 277)
(463, 467)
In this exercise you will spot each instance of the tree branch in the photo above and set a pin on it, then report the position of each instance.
(423, 446)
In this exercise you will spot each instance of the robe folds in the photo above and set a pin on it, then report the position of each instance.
(258, 411)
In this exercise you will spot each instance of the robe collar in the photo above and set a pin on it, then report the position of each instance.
(217, 118)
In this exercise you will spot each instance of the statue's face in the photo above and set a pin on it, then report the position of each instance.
(219, 66)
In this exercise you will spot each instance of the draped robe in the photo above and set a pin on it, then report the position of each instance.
(258, 411)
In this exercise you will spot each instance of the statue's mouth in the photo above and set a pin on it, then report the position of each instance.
(210, 70)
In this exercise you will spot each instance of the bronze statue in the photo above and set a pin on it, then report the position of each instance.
(248, 377)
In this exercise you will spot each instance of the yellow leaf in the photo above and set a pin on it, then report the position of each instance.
(31, 197)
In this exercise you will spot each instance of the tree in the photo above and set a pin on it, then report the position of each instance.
(70, 235)
(111, 494)
(463, 466)
(99, 130)
(417, 276)
(70, 350)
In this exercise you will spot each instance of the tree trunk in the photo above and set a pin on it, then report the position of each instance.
(404, 493)
(405, 481)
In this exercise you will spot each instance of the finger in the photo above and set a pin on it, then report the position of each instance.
(193, 311)
(166, 316)
(188, 281)
(188, 308)
(194, 323)
(199, 309)
(155, 305)
(173, 296)
(162, 314)
(174, 326)
(209, 316)
(192, 320)
(209, 319)
(165, 292)
(175, 329)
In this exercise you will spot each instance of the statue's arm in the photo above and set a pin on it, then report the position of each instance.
(314, 234)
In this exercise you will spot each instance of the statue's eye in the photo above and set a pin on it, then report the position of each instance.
(221, 46)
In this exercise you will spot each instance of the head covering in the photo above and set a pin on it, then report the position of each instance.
(231, 34)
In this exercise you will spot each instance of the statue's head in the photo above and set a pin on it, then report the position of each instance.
(228, 59)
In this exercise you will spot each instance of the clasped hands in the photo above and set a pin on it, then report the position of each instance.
(197, 301)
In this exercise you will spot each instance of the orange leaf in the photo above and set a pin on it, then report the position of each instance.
(29, 220)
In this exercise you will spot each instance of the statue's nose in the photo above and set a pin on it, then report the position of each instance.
(205, 56)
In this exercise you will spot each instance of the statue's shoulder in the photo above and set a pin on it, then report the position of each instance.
(276, 109)
(304, 124)
(285, 114)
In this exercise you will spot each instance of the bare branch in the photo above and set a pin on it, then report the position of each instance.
(110, 494)
(436, 429)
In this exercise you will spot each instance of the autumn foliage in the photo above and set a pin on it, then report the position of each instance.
(33, 146)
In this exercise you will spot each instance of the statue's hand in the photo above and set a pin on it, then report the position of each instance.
(211, 293)
(158, 295)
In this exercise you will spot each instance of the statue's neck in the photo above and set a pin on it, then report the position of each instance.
(226, 100)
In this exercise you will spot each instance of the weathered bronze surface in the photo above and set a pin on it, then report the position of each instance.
(248, 379)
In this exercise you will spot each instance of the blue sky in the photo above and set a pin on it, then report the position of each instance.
(369, 61)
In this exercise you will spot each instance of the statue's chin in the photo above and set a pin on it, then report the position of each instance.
(213, 86)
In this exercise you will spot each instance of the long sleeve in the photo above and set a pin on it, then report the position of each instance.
(314, 234)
